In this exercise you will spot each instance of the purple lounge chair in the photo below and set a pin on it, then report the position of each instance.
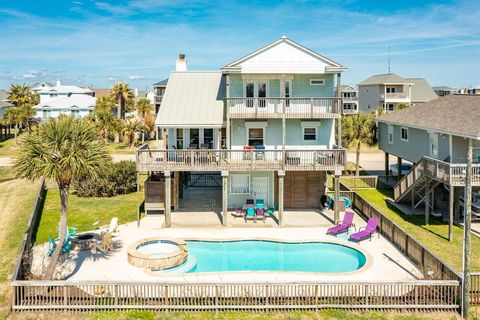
(367, 233)
(260, 214)
(344, 226)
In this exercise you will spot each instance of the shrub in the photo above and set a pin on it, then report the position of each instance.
(120, 178)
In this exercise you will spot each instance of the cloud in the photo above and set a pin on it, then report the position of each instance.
(28, 76)
(117, 10)
(135, 77)
(78, 3)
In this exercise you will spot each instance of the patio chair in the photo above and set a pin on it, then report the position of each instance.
(271, 210)
(250, 214)
(112, 227)
(259, 203)
(250, 203)
(238, 212)
(344, 226)
(52, 244)
(260, 214)
(367, 232)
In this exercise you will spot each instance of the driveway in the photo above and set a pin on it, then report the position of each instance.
(372, 162)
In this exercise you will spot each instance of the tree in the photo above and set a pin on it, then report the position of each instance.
(122, 93)
(60, 150)
(23, 100)
(144, 106)
(105, 104)
(12, 117)
(131, 128)
(358, 129)
(104, 123)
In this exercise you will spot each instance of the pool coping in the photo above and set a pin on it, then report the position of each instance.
(158, 261)
(368, 263)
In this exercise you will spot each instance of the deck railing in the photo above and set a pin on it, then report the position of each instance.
(354, 295)
(240, 160)
(301, 108)
(452, 174)
(394, 96)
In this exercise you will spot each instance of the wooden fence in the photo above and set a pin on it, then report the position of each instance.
(29, 236)
(475, 288)
(86, 296)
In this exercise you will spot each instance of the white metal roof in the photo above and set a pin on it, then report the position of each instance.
(63, 89)
(82, 101)
(192, 99)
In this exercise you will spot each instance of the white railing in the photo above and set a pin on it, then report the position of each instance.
(240, 160)
(280, 107)
(395, 96)
(452, 174)
(78, 296)
(350, 99)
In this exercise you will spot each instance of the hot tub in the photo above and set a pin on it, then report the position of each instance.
(157, 253)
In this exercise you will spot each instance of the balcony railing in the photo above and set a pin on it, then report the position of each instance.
(350, 99)
(394, 96)
(302, 108)
(240, 160)
(350, 111)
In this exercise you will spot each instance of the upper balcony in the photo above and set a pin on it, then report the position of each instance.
(350, 99)
(240, 160)
(395, 97)
(275, 108)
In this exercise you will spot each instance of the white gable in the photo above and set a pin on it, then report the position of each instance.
(283, 56)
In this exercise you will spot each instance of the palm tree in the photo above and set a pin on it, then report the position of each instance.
(23, 100)
(104, 104)
(122, 93)
(104, 123)
(61, 149)
(131, 128)
(144, 106)
(12, 117)
(358, 129)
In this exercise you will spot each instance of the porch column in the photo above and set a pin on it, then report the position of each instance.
(168, 206)
(281, 175)
(339, 106)
(387, 164)
(399, 168)
(225, 198)
(451, 200)
(227, 111)
(456, 203)
(336, 207)
(427, 207)
(284, 134)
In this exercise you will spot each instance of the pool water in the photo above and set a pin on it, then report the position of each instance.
(259, 255)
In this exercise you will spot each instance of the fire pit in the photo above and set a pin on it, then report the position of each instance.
(84, 241)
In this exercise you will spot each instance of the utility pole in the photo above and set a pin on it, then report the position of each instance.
(467, 201)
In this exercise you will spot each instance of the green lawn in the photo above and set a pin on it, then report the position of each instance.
(8, 148)
(83, 212)
(434, 236)
(246, 315)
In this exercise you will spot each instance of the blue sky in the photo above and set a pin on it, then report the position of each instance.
(98, 43)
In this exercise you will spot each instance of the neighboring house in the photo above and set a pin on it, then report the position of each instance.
(434, 137)
(265, 122)
(158, 92)
(473, 90)
(388, 91)
(78, 105)
(63, 99)
(443, 91)
(101, 92)
(350, 99)
(48, 92)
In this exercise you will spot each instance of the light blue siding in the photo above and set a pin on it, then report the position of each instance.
(274, 88)
(236, 85)
(301, 86)
(294, 133)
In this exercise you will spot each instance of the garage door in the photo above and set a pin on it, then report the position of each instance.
(302, 190)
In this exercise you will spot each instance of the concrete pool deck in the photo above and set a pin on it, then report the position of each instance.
(385, 262)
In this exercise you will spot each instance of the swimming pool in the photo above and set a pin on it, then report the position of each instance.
(263, 255)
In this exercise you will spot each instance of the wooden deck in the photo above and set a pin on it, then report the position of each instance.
(239, 160)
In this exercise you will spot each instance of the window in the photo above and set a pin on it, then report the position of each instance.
(53, 95)
(208, 137)
(390, 134)
(239, 184)
(250, 93)
(317, 82)
(46, 114)
(309, 134)
(391, 89)
(255, 136)
(179, 144)
(287, 93)
(75, 113)
(262, 94)
(404, 134)
(194, 138)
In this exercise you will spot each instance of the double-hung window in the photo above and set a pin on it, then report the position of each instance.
(256, 136)
(390, 134)
(309, 134)
(404, 134)
(239, 184)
